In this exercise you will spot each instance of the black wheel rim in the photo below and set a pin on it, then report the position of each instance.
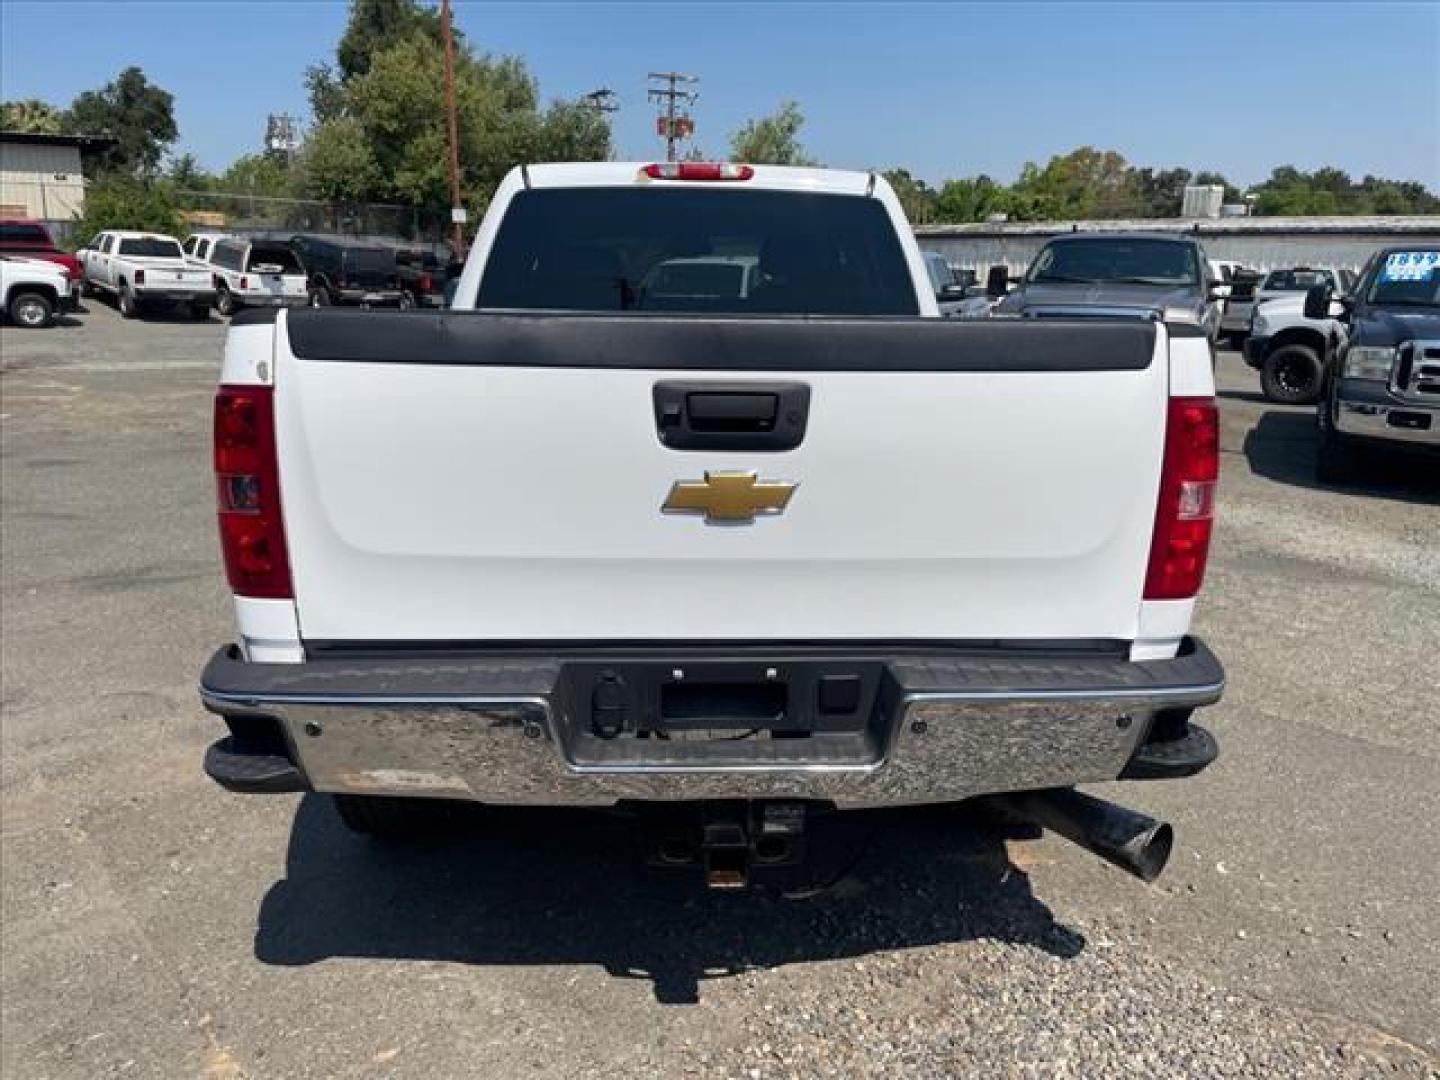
(1294, 377)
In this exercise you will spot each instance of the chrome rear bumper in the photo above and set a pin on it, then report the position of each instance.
(944, 726)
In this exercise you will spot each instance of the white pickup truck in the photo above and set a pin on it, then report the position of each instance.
(809, 546)
(32, 291)
(144, 270)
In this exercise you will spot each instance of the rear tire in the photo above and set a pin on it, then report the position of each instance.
(32, 310)
(394, 820)
(1292, 375)
(225, 302)
(126, 302)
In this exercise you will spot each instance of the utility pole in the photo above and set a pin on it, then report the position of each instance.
(673, 125)
(602, 100)
(457, 209)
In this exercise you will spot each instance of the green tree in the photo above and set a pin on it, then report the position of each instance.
(1379, 196)
(972, 198)
(32, 116)
(327, 95)
(257, 174)
(117, 201)
(772, 140)
(916, 197)
(375, 25)
(1328, 190)
(133, 111)
(337, 163)
(574, 131)
(1085, 183)
(381, 108)
(1160, 193)
(186, 174)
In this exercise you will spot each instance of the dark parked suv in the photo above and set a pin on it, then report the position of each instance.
(423, 275)
(342, 270)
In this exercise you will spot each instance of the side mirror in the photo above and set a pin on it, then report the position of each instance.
(997, 281)
(1317, 302)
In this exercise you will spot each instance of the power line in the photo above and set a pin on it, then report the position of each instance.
(674, 123)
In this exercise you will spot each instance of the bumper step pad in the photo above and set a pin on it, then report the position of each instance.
(1173, 759)
(251, 773)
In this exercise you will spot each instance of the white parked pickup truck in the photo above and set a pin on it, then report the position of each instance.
(143, 270)
(251, 272)
(32, 291)
(757, 553)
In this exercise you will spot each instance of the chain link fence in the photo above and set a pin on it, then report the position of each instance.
(59, 204)
(240, 212)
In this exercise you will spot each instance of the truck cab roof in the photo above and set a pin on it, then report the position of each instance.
(137, 234)
(624, 173)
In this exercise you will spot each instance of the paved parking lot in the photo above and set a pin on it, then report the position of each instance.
(156, 926)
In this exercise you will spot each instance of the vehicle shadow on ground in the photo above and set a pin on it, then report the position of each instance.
(570, 887)
(1281, 446)
(149, 313)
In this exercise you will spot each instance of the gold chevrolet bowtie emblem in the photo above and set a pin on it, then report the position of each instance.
(729, 497)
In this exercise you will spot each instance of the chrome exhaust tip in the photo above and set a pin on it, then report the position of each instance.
(1135, 842)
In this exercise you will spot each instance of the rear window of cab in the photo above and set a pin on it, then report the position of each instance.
(151, 247)
(23, 232)
(700, 250)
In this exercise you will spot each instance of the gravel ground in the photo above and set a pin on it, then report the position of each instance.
(156, 926)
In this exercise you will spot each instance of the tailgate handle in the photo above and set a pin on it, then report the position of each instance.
(728, 411)
(752, 416)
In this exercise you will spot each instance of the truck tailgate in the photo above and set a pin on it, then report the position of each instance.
(486, 477)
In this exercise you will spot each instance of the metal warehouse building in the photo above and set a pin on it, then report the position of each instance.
(40, 175)
(1264, 243)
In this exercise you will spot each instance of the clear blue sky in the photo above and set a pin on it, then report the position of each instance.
(944, 89)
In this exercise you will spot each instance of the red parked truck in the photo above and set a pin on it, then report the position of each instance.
(32, 240)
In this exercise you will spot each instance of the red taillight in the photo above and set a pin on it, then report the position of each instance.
(698, 170)
(1185, 513)
(425, 284)
(244, 283)
(252, 533)
(139, 277)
